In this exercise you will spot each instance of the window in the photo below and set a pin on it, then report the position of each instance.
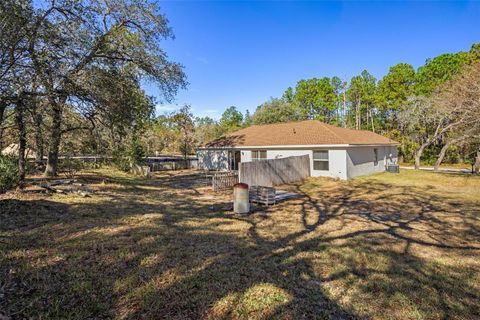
(259, 155)
(320, 160)
(375, 156)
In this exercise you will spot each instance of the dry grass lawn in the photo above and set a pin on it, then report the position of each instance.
(381, 247)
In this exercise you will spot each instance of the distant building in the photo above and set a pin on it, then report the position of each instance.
(12, 150)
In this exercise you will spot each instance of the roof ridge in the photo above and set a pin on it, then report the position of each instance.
(282, 123)
(241, 129)
(334, 133)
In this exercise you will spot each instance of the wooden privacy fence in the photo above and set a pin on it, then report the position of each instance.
(224, 180)
(274, 172)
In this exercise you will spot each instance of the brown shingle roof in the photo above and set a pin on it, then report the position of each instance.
(309, 132)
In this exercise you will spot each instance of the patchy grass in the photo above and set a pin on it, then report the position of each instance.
(385, 246)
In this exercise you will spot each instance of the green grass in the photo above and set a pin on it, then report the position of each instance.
(385, 246)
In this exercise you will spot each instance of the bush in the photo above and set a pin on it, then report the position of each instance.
(136, 152)
(453, 155)
(70, 167)
(124, 159)
(121, 161)
(8, 173)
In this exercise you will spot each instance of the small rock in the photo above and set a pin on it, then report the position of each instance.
(84, 194)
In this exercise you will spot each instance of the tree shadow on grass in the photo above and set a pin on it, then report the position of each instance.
(21, 214)
(345, 251)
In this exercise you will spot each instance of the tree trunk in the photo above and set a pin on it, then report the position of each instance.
(441, 155)
(185, 152)
(3, 106)
(359, 114)
(368, 119)
(373, 124)
(356, 117)
(444, 151)
(418, 155)
(55, 136)
(436, 136)
(477, 163)
(38, 121)
(1, 138)
(22, 138)
(358, 123)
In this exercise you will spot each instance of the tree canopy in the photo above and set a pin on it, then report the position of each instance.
(278, 110)
(84, 56)
(231, 119)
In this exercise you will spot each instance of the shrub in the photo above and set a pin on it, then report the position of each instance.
(136, 152)
(8, 173)
(121, 161)
(453, 155)
(70, 167)
(124, 159)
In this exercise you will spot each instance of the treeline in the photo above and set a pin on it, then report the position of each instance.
(433, 111)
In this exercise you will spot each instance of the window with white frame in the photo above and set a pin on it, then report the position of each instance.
(320, 160)
(258, 155)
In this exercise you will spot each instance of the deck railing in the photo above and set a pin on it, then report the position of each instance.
(224, 180)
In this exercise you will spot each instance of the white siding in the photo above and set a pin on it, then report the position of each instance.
(344, 163)
(360, 160)
(246, 155)
(337, 162)
(212, 159)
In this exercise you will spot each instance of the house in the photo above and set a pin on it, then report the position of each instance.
(333, 151)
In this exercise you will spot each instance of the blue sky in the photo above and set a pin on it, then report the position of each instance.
(243, 53)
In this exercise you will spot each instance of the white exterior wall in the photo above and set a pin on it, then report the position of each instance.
(344, 162)
(337, 160)
(246, 155)
(212, 159)
(337, 165)
(360, 160)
